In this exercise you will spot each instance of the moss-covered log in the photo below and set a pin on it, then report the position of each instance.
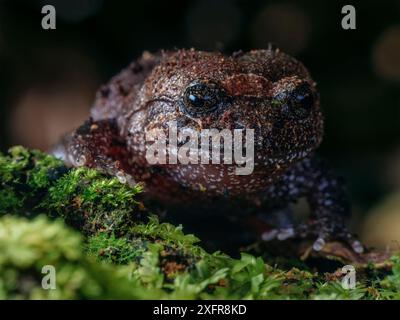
(118, 250)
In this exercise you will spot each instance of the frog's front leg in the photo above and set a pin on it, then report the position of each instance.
(325, 192)
(96, 144)
(329, 204)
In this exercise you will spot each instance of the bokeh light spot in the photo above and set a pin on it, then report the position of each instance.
(287, 25)
(386, 54)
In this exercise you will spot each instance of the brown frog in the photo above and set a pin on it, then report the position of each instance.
(267, 91)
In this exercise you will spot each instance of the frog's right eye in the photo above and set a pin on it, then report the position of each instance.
(200, 98)
(297, 103)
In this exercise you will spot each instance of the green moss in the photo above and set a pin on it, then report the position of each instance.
(121, 250)
(168, 234)
(33, 183)
(118, 250)
(390, 286)
(25, 177)
(27, 246)
(91, 202)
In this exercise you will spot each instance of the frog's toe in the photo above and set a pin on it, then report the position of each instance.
(125, 178)
(354, 243)
(319, 244)
(357, 246)
(280, 234)
(285, 233)
(344, 237)
(269, 235)
(324, 233)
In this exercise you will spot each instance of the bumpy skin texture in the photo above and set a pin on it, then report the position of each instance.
(265, 90)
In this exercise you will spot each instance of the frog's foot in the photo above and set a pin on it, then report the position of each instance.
(96, 145)
(280, 234)
(325, 230)
(104, 164)
(279, 224)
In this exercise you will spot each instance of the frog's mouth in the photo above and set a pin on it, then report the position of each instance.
(253, 148)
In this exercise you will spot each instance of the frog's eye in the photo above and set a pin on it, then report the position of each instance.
(297, 103)
(201, 98)
(302, 101)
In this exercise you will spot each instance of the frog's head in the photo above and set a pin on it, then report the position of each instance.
(264, 90)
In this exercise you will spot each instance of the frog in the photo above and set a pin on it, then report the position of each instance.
(265, 90)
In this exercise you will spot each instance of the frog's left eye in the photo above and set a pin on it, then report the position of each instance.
(302, 101)
(202, 98)
(297, 103)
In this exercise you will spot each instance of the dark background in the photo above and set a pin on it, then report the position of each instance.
(48, 77)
